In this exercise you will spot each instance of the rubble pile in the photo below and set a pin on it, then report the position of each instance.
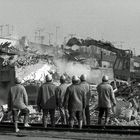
(27, 60)
(32, 59)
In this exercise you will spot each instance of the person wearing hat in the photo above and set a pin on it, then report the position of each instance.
(105, 99)
(75, 102)
(46, 100)
(60, 93)
(84, 84)
(18, 103)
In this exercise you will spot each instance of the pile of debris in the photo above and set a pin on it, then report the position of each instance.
(32, 59)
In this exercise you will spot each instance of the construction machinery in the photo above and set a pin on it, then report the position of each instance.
(126, 66)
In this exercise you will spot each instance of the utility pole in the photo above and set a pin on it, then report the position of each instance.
(1, 30)
(42, 39)
(38, 36)
(57, 27)
(134, 51)
(12, 30)
(8, 33)
(35, 36)
(50, 34)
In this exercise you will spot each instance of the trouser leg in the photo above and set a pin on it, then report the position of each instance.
(67, 116)
(87, 114)
(84, 117)
(71, 118)
(107, 114)
(26, 116)
(16, 126)
(80, 124)
(71, 123)
(15, 119)
(106, 120)
(44, 121)
(101, 113)
(26, 119)
(79, 116)
(52, 116)
(44, 118)
(62, 115)
(99, 120)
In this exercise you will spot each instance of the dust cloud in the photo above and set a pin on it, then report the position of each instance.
(75, 68)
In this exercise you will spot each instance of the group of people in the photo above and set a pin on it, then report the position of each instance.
(72, 101)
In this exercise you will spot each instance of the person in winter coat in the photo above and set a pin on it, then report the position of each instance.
(60, 94)
(105, 99)
(86, 87)
(46, 100)
(75, 101)
(18, 103)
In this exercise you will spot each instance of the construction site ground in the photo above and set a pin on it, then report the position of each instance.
(54, 135)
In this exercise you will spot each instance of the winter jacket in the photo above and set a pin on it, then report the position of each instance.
(46, 96)
(105, 95)
(75, 99)
(86, 87)
(17, 97)
(60, 93)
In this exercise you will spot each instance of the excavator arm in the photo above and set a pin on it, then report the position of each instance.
(123, 67)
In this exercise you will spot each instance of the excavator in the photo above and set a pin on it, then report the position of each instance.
(126, 66)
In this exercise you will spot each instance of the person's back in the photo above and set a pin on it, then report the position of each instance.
(48, 100)
(104, 94)
(18, 101)
(105, 99)
(76, 95)
(60, 93)
(85, 85)
(75, 102)
(18, 97)
(86, 88)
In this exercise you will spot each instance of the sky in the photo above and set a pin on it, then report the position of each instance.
(116, 21)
